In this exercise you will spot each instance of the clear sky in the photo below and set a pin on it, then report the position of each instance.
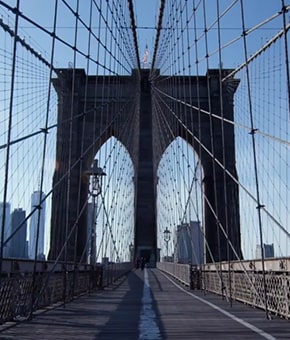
(146, 19)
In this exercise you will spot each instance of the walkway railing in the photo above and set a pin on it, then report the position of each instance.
(243, 282)
(21, 293)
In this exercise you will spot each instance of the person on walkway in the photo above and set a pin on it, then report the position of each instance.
(137, 263)
(143, 262)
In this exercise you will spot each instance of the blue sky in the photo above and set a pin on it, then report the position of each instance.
(146, 19)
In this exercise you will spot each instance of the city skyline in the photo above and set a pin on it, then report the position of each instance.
(22, 243)
(37, 226)
(18, 245)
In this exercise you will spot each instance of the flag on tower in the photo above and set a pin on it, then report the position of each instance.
(146, 55)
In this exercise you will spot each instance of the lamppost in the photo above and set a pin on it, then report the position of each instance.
(166, 234)
(96, 174)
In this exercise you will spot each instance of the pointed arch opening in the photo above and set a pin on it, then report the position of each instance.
(111, 212)
(180, 227)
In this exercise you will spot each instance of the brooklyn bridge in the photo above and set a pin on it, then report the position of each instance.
(144, 169)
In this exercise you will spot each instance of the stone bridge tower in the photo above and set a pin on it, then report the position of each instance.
(97, 110)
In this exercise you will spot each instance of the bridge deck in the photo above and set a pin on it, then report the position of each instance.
(149, 305)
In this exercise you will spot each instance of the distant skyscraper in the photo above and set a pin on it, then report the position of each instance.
(35, 199)
(18, 241)
(190, 246)
(7, 225)
(268, 251)
(183, 249)
(198, 243)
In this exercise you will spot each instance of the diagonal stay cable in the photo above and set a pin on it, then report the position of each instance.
(133, 27)
(228, 172)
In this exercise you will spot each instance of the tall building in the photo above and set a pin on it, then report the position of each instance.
(268, 251)
(18, 241)
(35, 199)
(7, 226)
(190, 243)
(198, 243)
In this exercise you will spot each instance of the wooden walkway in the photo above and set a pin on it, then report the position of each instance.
(149, 305)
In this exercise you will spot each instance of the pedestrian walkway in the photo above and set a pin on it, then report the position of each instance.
(149, 305)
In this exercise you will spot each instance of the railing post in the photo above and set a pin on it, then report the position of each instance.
(195, 277)
(75, 281)
(285, 291)
(199, 278)
(101, 277)
(191, 283)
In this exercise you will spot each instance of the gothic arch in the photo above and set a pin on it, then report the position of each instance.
(199, 133)
(105, 119)
(95, 117)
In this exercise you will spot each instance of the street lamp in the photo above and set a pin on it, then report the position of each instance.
(166, 234)
(96, 174)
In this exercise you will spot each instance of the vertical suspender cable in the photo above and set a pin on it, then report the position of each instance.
(212, 145)
(110, 141)
(16, 10)
(259, 206)
(195, 7)
(81, 169)
(286, 52)
(184, 109)
(40, 201)
(191, 141)
(70, 152)
(99, 88)
(113, 153)
(224, 151)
